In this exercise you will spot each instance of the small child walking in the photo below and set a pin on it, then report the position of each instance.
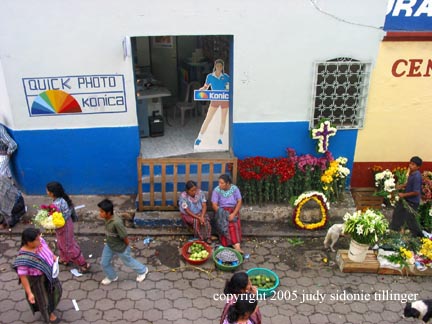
(117, 243)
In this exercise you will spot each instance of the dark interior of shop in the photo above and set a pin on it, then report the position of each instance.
(167, 69)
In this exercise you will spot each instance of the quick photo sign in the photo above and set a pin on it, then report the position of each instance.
(79, 94)
(409, 15)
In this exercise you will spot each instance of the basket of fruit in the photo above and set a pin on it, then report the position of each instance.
(196, 252)
(227, 259)
(264, 279)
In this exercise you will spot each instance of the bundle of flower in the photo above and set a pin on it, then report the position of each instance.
(425, 252)
(427, 185)
(324, 206)
(402, 258)
(386, 185)
(334, 177)
(49, 217)
(365, 227)
(401, 175)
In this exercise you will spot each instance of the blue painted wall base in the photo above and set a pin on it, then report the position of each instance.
(85, 161)
(272, 140)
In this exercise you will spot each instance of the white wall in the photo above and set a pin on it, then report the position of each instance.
(275, 44)
(5, 113)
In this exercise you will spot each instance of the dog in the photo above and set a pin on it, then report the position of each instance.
(332, 236)
(421, 309)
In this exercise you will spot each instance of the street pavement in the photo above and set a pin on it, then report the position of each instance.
(312, 288)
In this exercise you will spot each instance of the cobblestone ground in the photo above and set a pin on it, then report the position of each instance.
(310, 291)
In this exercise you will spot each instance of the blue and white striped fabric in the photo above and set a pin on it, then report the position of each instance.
(7, 147)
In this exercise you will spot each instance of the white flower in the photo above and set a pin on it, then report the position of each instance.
(359, 229)
(309, 194)
(389, 185)
(342, 160)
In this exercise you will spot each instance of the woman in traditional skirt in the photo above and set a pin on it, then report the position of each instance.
(227, 197)
(34, 265)
(66, 243)
(193, 210)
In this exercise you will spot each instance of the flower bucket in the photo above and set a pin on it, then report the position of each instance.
(357, 251)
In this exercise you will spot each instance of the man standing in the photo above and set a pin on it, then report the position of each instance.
(7, 147)
(117, 243)
(404, 210)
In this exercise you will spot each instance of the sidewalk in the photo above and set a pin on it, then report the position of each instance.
(175, 292)
(257, 221)
(311, 290)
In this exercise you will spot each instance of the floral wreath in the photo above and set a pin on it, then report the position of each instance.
(322, 133)
(320, 199)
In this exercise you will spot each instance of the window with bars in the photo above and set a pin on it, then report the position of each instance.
(339, 92)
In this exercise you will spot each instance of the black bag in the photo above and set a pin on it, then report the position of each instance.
(74, 215)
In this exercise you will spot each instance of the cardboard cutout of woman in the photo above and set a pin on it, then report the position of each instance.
(217, 80)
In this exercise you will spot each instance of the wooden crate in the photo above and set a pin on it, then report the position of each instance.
(369, 265)
(390, 271)
(413, 272)
(364, 198)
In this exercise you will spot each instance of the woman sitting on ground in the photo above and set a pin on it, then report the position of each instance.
(237, 285)
(227, 201)
(193, 210)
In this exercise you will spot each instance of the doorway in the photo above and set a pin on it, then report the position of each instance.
(167, 70)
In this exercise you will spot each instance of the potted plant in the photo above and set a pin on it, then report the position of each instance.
(365, 228)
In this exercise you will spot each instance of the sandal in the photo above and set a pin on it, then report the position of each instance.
(56, 321)
(65, 263)
(85, 268)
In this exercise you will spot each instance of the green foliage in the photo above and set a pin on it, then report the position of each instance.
(295, 241)
(424, 216)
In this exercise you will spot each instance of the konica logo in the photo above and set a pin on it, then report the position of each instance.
(409, 15)
(205, 95)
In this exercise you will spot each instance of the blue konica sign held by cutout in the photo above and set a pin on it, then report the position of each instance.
(208, 95)
(409, 15)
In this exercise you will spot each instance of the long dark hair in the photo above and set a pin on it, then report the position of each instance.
(57, 190)
(245, 304)
(190, 184)
(237, 284)
(29, 235)
(226, 178)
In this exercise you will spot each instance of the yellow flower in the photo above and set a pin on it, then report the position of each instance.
(405, 253)
(58, 219)
(323, 209)
(426, 249)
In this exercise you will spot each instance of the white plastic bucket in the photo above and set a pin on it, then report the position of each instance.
(357, 252)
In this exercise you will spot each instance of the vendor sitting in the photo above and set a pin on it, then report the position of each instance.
(193, 209)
